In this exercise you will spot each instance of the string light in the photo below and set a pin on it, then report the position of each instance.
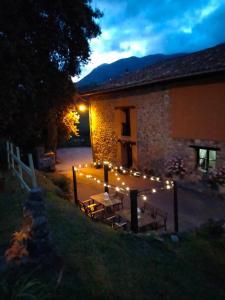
(167, 183)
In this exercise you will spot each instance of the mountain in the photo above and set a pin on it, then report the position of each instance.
(107, 72)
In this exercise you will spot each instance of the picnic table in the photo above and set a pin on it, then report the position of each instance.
(111, 202)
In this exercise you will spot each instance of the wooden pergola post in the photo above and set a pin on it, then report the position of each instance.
(75, 185)
(175, 207)
(133, 210)
(106, 177)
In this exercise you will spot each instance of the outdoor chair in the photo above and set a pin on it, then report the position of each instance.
(116, 222)
(85, 203)
(157, 214)
(119, 196)
(96, 213)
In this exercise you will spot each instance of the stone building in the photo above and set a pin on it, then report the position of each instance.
(175, 107)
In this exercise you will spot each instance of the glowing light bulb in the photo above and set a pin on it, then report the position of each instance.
(118, 178)
(127, 188)
(144, 176)
(123, 183)
(82, 107)
(117, 189)
(144, 198)
(154, 190)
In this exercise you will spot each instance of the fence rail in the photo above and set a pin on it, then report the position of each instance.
(18, 167)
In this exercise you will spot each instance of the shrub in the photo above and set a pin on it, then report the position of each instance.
(175, 166)
(217, 176)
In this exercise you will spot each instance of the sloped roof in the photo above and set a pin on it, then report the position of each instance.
(211, 60)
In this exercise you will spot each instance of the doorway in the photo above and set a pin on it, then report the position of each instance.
(127, 155)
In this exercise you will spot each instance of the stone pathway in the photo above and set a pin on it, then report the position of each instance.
(194, 208)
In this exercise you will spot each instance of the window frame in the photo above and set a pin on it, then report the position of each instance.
(208, 149)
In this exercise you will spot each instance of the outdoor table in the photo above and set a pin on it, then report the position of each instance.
(144, 218)
(106, 203)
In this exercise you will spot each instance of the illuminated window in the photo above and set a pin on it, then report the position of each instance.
(206, 158)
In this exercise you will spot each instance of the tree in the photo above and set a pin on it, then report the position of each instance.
(42, 44)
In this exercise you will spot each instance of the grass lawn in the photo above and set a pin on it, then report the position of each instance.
(101, 263)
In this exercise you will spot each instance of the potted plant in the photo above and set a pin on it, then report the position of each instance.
(175, 168)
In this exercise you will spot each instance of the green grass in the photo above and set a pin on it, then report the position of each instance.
(103, 264)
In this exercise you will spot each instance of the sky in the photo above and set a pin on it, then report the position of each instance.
(143, 27)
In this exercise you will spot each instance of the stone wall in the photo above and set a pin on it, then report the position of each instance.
(103, 137)
(153, 130)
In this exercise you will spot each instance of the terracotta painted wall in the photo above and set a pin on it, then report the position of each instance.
(199, 112)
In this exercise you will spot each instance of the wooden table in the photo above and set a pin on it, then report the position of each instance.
(144, 219)
(106, 203)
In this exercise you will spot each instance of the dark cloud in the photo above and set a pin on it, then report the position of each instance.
(142, 27)
(172, 25)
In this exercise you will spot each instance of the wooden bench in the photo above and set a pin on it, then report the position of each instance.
(92, 209)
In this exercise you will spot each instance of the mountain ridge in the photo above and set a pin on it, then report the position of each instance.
(107, 72)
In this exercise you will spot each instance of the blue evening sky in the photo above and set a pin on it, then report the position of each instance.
(142, 27)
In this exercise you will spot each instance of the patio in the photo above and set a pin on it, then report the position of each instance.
(193, 208)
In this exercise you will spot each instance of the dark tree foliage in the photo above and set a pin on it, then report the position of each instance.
(42, 44)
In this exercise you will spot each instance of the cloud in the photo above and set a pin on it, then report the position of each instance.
(138, 28)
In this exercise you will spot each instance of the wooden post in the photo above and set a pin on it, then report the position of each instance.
(106, 177)
(33, 175)
(133, 210)
(19, 165)
(8, 154)
(75, 185)
(175, 207)
(12, 158)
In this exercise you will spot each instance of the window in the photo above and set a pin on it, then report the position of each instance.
(206, 158)
(126, 123)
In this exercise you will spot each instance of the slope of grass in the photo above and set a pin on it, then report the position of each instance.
(103, 264)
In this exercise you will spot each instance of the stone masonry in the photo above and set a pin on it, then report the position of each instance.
(153, 138)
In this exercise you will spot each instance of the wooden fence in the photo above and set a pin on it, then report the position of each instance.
(19, 168)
